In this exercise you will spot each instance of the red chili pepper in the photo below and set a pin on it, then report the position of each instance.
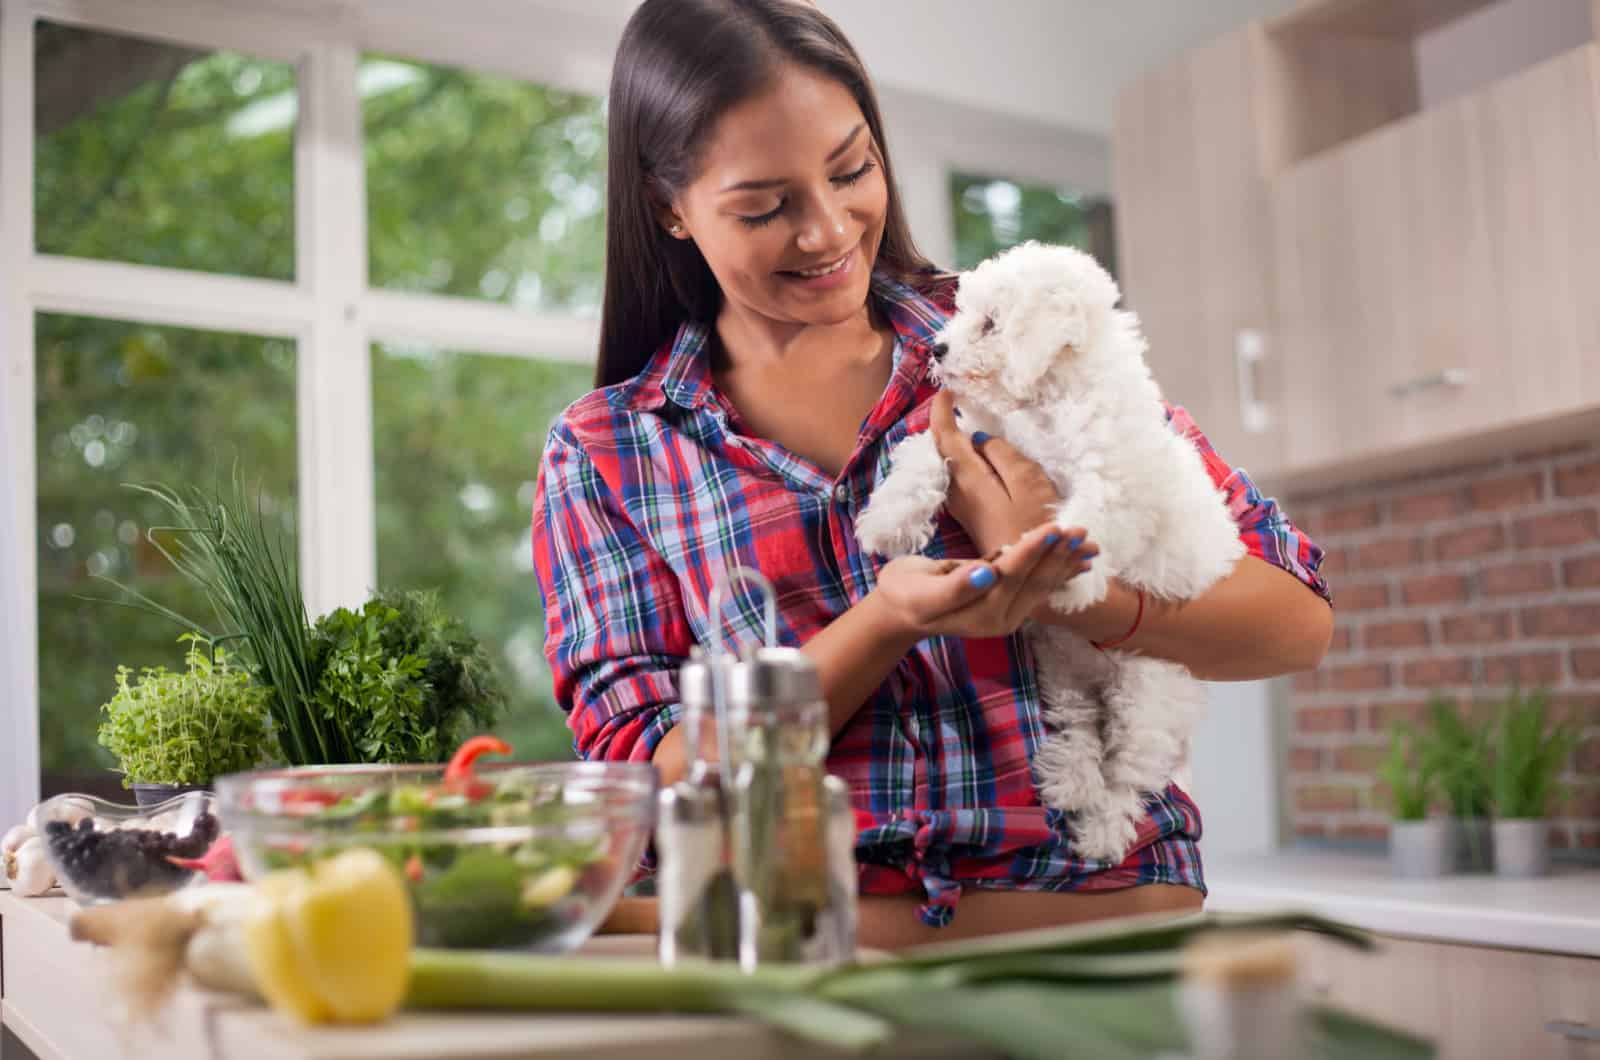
(458, 774)
(460, 766)
(218, 863)
(307, 800)
(414, 868)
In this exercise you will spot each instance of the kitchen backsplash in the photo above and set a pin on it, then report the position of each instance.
(1463, 580)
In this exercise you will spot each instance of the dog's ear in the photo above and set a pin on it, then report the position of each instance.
(1046, 326)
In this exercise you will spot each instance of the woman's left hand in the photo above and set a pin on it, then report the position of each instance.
(996, 493)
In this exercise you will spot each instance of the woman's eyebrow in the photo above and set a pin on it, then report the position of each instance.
(759, 185)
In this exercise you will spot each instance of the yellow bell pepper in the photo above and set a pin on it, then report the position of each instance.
(332, 943)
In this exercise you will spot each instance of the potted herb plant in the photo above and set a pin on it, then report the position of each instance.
(1456, 752)
(175, 732)
(1419, 846)
(397, 681)
(1529, 753)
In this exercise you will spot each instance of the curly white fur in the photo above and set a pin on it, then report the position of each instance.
(1037, 353)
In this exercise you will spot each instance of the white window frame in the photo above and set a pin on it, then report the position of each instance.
(328, 310)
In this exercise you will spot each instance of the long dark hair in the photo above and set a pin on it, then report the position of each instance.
(680, 66)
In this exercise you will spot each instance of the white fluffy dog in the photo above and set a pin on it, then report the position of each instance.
(1038, 354)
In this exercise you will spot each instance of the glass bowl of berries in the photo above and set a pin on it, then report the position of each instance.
(103, 852)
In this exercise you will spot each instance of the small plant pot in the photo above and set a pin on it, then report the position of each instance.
(155, 794)
(1420, 850)
(1522, 847)
(1474, 843)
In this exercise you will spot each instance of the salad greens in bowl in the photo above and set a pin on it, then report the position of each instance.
(506, 856)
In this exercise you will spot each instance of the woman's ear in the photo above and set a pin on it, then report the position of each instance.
(670, 221)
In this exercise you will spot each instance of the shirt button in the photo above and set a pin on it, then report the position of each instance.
(841, 493)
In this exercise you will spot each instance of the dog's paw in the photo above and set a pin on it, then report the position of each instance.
(1104, 833)
(1066, 781)
(1083, 591)
(882, 530)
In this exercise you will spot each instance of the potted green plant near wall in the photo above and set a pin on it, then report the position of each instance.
(176, 732)
(1455, 750)
(1419, 846)
(1528, 755)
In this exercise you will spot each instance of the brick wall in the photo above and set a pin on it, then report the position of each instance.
(1461, 581)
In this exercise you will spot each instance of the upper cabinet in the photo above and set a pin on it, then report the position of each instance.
(1426, 282)
(1195, 242)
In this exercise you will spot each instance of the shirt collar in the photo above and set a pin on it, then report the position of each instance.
(680, 371)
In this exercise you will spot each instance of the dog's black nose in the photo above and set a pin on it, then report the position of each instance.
(939, 349)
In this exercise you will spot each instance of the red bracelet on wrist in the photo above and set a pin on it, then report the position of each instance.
(1137, 618)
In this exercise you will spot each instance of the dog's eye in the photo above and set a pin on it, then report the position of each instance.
(988, 326)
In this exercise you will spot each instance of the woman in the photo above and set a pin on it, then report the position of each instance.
(764, 344)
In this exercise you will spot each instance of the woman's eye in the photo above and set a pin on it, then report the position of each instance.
(762, 219)
(851, 178)
(988, 326)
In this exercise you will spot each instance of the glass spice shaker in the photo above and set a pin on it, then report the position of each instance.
(697, 897)
(784, 832)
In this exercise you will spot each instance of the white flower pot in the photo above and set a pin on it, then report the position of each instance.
(1522, 847)
(1474, 843)
(1420, 850)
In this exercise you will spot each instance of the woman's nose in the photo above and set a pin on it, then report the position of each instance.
(825, 229)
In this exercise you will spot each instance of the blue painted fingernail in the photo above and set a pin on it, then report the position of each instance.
(981, 578)
(1051, 538)
(979, 437)
(1074, 542)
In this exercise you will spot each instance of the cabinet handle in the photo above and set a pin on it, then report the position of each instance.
(1249, 350)
(1450, 377)
(1577, 1032)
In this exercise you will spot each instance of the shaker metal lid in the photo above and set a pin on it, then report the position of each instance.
(773, 677)
(695, 678)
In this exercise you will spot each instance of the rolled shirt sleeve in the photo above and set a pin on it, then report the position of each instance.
(1264, 528)
(615, 634)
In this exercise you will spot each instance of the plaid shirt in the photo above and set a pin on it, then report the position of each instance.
(649, 493)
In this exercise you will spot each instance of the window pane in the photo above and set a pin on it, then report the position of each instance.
(458, 439)
(992, 214)
(483, 187)
(163, 155)
(119, 403)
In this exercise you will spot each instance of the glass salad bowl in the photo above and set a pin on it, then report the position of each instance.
(103, 852)
(512, 856)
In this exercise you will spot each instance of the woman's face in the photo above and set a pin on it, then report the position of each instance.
(788, 206)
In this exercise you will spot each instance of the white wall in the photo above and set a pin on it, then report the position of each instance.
(1233, 760)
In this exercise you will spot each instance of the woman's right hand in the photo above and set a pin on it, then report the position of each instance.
(923, 597)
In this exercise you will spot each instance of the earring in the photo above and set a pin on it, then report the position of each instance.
(676, 230)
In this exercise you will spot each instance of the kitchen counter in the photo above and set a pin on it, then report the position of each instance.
(54, 997)
(1557, 914)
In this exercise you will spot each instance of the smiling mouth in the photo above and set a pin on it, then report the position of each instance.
(821, 270)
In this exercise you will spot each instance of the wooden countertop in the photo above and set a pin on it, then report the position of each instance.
(54, 997)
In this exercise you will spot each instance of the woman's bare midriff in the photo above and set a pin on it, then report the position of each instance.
(890, 922)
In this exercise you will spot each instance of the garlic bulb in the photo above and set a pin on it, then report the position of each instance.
(28, 870)
(15, 838)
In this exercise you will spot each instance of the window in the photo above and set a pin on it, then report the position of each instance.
(117, 403)
(483, 187)
(993, 213)
(457, 439)
(159, 154)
